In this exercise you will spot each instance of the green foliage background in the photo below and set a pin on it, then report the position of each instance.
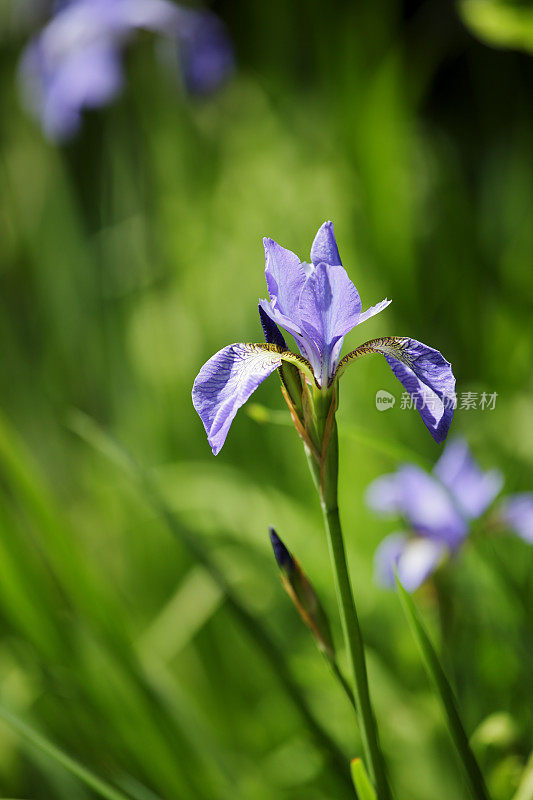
(132, 254)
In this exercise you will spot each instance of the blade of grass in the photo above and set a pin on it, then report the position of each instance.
(87, 777)
(447, 698)
(82, 589)
(361, 781)
(525, 790)
(90, 432)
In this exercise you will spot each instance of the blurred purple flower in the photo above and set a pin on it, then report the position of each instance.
(415, 559)
(206, 52)
(516, 513)
(438, 509)
(76, 60)
(318, 305)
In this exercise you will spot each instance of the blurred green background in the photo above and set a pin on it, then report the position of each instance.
(133, 253)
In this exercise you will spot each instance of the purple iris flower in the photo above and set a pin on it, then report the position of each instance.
(76, 60)
(438, 509)
(318, 305)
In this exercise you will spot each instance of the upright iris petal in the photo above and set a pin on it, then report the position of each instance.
(324, 249)
(316, 303)
(328, 308)
(285, 278)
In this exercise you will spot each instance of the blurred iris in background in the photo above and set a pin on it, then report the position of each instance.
(75, 62)
(438, 509)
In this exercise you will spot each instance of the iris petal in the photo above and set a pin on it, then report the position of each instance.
(413, 559)
(420, 558)
(424, 373)
(373, 310)
(285, 278)
(308, 348)
(427, 505)
(384, 495)
(329, 307)
(273, 335)
(387, 556)
(324, 248)
(517, 512)
(225, 383)
(472, 489)
(420, 368)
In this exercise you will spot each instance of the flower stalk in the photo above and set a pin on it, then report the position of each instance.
(325, 475)
(317, 304)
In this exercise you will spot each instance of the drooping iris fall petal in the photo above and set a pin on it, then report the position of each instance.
(423, 372)
(225, 383)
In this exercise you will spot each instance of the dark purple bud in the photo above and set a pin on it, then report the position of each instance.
(300, 590)
(284, 559)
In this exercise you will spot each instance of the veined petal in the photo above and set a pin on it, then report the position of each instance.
(424, 373)
(473, 490)
(373, 310)
(516, 511)
(285, 278)
(324, 248)
(420, 368)
(226, 382)
(329, 307)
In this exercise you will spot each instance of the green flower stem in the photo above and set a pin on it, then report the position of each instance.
(325, 477)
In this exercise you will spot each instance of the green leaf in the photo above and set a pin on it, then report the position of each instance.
(41, 743)
(525, 790)
(364, 788)
(444, 690)
(500, 24)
